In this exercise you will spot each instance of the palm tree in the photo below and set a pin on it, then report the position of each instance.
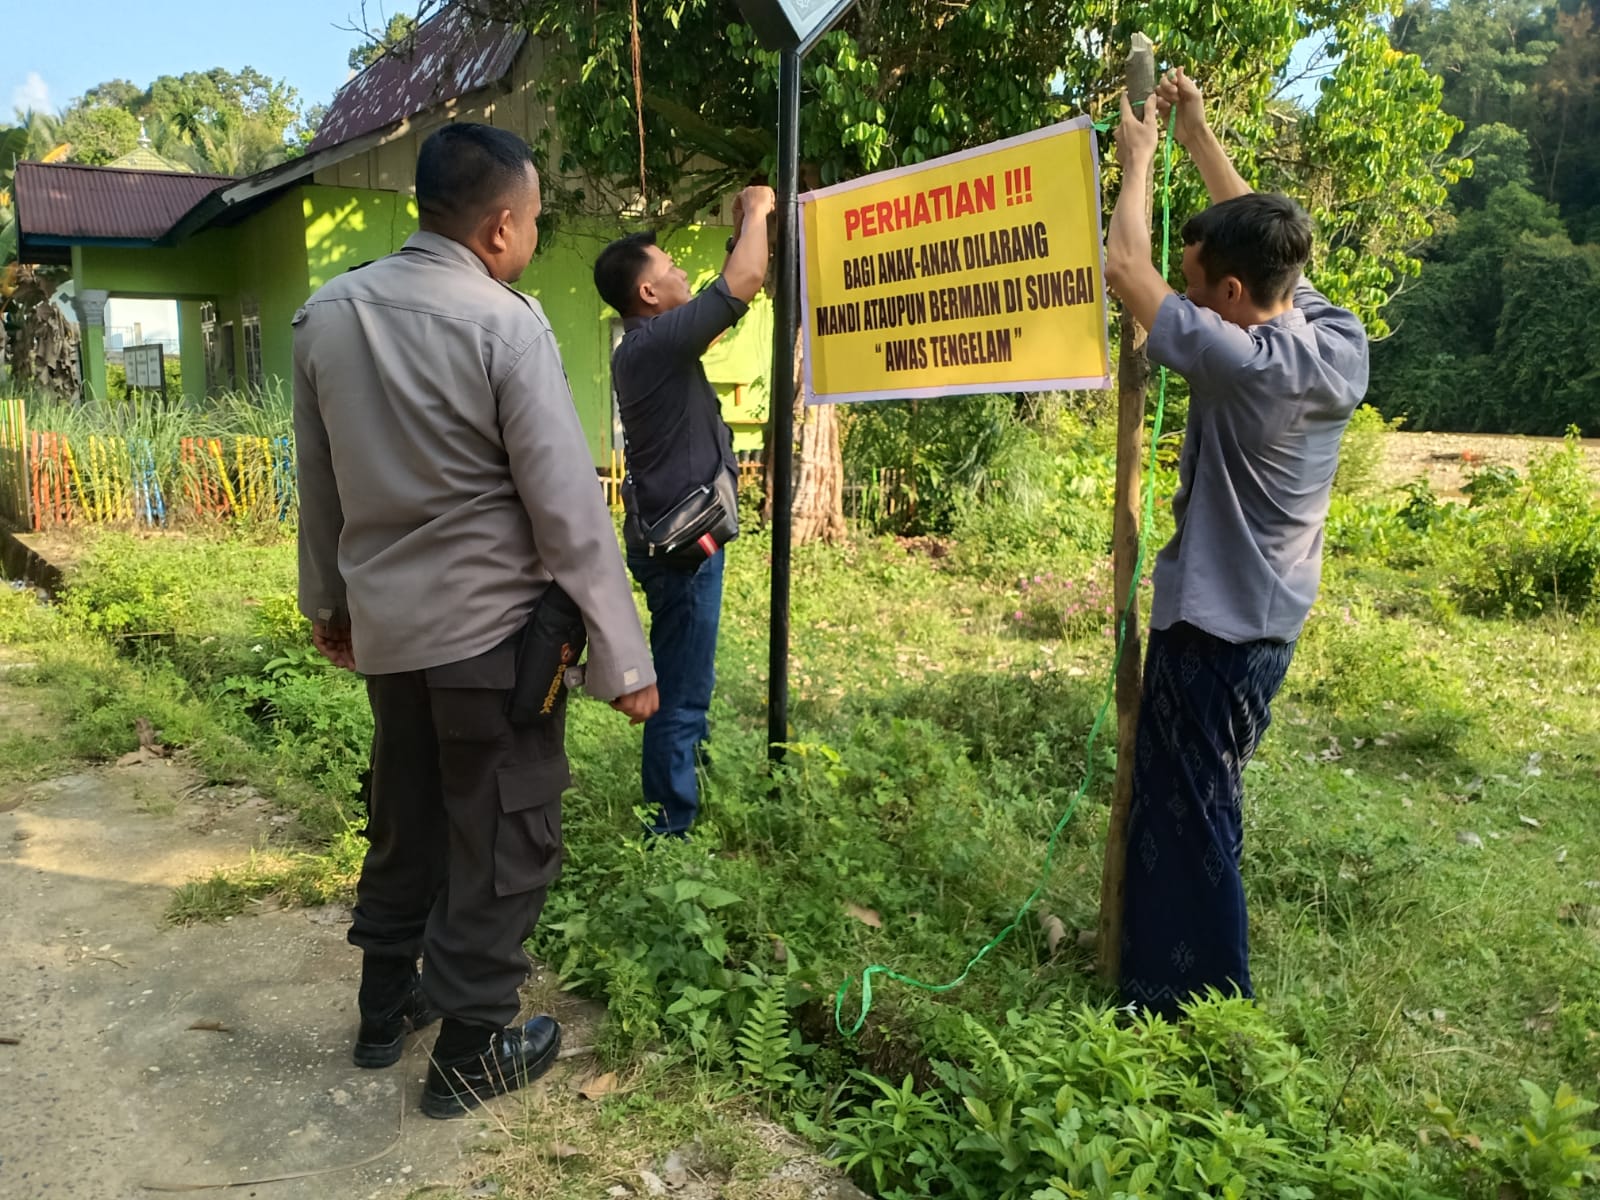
(44, 133)
(13, 145)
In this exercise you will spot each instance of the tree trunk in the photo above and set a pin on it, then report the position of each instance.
(818, 513)
(47, 352)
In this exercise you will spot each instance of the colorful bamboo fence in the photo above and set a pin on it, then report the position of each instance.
(99, 480)
(48, 480)
(750, 471)
(14, 463)
(54, 470)
(611, 476)
(238, 476)
(611, 480)
(284, 480)
(206, 487)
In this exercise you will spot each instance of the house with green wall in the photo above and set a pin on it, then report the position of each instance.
(239, 256)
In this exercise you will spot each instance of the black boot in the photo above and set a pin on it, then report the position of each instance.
(392, 1005)
(472, 1063)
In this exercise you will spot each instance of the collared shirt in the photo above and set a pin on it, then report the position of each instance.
(444, 475)
(1267, 408)
(671, 417)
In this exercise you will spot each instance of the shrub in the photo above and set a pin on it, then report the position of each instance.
(1490, 483)
(120, 593)
(1067, 1102)
(1079, 1102)
(1051, 605)
(1361, 452)
(943, 453)
(1534, 546)
(1337, 667)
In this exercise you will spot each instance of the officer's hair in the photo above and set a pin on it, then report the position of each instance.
(465, 171)
(1262, 239)
(617, 270)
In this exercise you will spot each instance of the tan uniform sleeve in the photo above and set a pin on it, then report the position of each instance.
(572, 529)
(322, 592)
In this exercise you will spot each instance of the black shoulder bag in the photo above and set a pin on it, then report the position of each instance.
(693, 529)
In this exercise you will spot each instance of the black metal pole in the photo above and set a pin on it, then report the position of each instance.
(786, 329)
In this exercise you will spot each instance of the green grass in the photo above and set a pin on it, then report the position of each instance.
(937, 739)
(91, 676)
(29, 748)
(293, 878)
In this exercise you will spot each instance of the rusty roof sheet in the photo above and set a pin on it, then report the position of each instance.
(69, 200)
(455, 53)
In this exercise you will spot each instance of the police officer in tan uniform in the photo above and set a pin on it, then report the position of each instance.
(447, 496)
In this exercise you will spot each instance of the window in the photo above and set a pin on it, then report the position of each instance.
(208, 329)
(251, 314)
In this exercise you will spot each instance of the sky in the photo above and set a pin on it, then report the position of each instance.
(298, 42)
(304, 42)
(45, 66)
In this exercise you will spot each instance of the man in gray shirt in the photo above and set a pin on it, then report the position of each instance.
(449, 511)
(1274, 373)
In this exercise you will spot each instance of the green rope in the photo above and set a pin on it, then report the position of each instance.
(1110, 692)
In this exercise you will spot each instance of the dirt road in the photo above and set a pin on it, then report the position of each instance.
(1447, 459)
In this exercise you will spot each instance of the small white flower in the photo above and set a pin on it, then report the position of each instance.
(257, 648)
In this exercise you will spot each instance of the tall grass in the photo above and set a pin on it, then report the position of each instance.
(120, 446)
(264, 412)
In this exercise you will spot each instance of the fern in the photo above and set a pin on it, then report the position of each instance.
(763, 1043)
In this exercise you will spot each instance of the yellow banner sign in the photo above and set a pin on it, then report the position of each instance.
(977, 272)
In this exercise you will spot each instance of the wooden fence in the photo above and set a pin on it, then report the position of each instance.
(883, 497)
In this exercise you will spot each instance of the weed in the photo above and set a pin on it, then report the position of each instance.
(207, 900)
(292, 878)
(936, 740)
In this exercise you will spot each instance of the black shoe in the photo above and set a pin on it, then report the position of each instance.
(383, 1038)
(514, 1057)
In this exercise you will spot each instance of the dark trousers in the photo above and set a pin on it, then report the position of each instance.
(465, 828)
(1206, 704)
(685, 609)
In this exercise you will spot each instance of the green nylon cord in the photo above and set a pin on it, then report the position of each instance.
(1111, 681)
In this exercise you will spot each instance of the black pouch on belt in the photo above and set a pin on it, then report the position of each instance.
(552, 641)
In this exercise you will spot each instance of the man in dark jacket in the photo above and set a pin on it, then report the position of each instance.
(676, 443)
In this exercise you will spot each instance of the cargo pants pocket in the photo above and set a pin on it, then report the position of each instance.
(527, 840)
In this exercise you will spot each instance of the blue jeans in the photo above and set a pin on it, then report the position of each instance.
(685, 606)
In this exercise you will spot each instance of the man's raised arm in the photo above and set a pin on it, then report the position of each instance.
(1131, 276)
(746, 267)
(1194, 134)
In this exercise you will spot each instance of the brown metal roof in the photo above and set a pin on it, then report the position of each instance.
(454, 53)
(68, 200)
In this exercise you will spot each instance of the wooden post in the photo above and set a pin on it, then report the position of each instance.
(1133, 377)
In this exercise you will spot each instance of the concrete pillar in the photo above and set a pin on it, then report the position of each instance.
(192, 349)
(90, 306)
